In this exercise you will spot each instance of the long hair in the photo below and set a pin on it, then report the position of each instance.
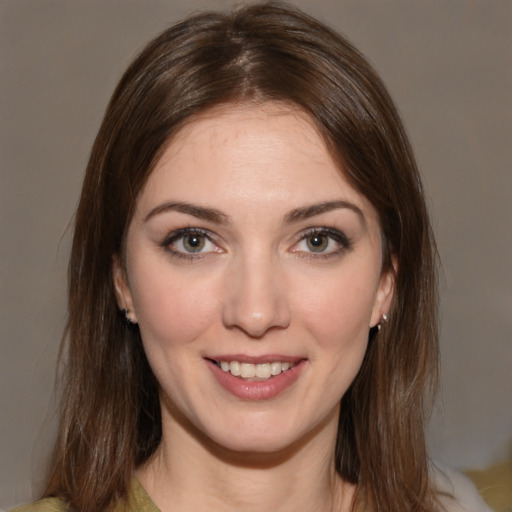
(110, 414)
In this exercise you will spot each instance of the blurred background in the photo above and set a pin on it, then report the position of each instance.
(447, 64)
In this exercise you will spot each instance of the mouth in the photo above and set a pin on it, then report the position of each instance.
(254, 372)
(256, 378)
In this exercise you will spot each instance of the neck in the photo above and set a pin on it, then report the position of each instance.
(189, 472)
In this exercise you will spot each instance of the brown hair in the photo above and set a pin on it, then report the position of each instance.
(110, 413)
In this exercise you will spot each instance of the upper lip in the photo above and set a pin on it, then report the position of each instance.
(265, 358)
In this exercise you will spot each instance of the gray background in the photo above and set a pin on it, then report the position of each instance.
(448, 64)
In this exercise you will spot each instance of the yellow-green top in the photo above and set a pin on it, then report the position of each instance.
(138, 501)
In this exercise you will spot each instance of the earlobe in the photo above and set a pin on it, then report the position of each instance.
(122, 290)
(383, 297)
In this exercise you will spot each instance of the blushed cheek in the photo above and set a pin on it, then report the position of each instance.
(173, 313)
(339, 317)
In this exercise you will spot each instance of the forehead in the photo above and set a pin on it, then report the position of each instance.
(262, 128)
(261, 153)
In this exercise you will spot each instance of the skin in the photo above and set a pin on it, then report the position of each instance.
(258, 286)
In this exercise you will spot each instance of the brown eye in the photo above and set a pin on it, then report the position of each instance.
(190, 243)
(317, 242)
(322, 242)
(194, 242)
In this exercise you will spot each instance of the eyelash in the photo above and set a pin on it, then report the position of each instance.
(331, 234)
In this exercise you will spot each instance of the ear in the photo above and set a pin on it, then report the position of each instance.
(384, 294)
(122, 290)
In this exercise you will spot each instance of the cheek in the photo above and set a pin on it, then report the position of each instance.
(338, 311)
(171, 308)
(338, 317)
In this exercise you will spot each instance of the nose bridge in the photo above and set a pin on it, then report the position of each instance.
(256, 298)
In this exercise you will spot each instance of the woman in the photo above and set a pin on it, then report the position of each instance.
(253, 208)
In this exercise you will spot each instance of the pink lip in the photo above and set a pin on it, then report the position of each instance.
(256, 390)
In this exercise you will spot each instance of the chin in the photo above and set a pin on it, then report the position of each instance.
(266, 438)
(256, 447)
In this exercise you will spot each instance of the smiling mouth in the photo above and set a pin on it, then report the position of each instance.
(260, 371)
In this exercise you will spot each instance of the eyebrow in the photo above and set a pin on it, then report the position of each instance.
(306, 212)
(201, 212)
(217, 217)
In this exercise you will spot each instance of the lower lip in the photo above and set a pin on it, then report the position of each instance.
(257, 390)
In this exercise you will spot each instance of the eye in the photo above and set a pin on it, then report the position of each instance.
(190, 242)
(317, 242)
(193, 242)
(322, 242)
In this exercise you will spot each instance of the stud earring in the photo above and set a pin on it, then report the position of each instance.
(383, 321)
(127, 320)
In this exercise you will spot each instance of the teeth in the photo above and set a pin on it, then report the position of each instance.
(249, 370)
(263, 371)
(276, 368)
(234, 368)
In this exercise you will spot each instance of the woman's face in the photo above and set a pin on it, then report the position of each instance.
(254, 271)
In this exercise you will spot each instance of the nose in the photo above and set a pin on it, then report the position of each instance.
(255, 299)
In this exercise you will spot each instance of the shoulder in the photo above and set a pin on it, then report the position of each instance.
(44, 505)
(456, 492)
(137, 501)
